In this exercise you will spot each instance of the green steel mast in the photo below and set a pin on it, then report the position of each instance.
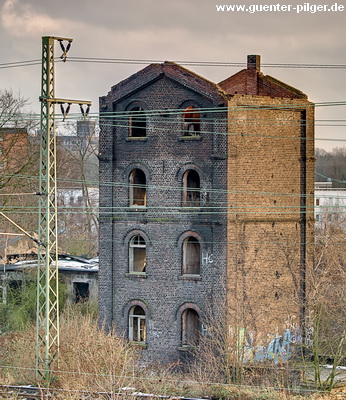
(47, 322)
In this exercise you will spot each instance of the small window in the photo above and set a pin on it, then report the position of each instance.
(191, 121)
(317, 202)
(137, 123)
(191, 189)
(137, 254)
(81, 291)
(137, 324)
(191, 256)
(138, 189)
(190, 328)
(317, 217)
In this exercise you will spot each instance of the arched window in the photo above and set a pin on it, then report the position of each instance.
(191, 252)
(138, 191)
(191, 189)
(190, 328)
(137, 254)
(137, 123)
(137, 324)
(191, 121)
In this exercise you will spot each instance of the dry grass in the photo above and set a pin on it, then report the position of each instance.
(93, 360)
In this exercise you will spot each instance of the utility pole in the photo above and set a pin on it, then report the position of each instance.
(47, 322)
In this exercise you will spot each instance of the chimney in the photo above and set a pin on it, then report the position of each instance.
(254, 62)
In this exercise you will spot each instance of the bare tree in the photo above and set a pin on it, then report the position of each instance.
(78, 189)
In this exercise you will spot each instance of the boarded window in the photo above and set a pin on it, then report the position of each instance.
(137, 254)
(137, 324)
(190, 331)
(137, 123)
(191, 189)
(138, 190)
(191, 256)
(192, 121)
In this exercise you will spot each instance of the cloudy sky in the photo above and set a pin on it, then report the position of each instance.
(177, 30)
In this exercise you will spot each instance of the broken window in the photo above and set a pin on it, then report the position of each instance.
(137, 254)
(81, 292)
(191, 121)
(138, 191)
(138, 123)
(191, 189)
(137, 324)
(191, 256)
(190, 330)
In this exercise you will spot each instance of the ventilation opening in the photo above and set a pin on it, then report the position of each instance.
(190, 333)
(137, 188)
(138, 254)
(81, 292)
(192, 188)
(138, 123)
(191, 256)
(137, 324)
(192, 121)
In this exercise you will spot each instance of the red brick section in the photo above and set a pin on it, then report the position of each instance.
(252, 81)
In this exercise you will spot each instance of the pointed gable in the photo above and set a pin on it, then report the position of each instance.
(251, 81)
(171, 70)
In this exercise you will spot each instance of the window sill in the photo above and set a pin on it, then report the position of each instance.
(142, 345)
(190, 277)
(138, 208)
(136, 275)
(190, 138)
(187, 347)
(136, 139)
(190, 208)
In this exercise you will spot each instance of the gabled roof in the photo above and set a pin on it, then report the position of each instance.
(174, 71)
(251, 81)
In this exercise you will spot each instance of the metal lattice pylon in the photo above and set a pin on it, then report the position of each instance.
(47, 323)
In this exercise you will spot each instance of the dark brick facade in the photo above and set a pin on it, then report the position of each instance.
(166, 154)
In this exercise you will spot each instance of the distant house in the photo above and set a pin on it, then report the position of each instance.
(79, 274)
(14, 148)
(330, 205)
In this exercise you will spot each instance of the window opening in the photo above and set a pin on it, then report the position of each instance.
(138, 123)
(192, 121)
(190, 331)
(191, 256)
(138, 191)
(192, 188)
(137, 324)
(138, 254)
(81, 292)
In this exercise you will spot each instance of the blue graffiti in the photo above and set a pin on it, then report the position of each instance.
(278, 349)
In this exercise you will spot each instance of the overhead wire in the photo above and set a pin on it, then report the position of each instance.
(139, 61)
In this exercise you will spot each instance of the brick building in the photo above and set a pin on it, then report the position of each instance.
(14, 149)
(204, 205)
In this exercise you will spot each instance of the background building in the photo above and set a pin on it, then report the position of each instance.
(330, 205)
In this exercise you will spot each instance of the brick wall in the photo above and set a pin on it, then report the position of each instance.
(164, 156)
(270, 182)
(256, 216)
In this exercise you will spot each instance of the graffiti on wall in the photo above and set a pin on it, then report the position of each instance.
(276, 348)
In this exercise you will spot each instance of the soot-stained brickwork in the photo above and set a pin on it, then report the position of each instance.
(177, 179)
